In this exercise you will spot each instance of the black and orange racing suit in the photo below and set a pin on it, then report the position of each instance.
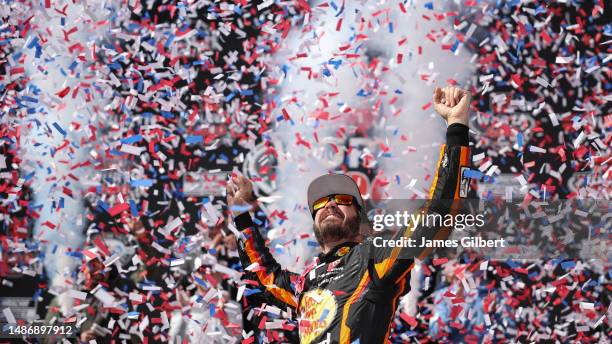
(350, 294)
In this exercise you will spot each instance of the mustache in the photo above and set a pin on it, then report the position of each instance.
(329, 212)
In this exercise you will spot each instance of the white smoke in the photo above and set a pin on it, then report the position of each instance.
(58, 138)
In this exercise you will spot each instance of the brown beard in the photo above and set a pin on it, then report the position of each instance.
(348, 228)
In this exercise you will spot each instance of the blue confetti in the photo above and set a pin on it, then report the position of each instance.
(133, 208)
(200, 282)
(324, 314)
(568, 265)
(474, 174)
(248, 292)
(141, 182)
(194, 139)
(132, 139)
(59, 128)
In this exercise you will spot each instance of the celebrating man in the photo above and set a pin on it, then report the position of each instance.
(353, 286)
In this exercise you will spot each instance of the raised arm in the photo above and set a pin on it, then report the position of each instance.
(390, 265)
(254, 255)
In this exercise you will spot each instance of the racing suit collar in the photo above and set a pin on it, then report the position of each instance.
(337, 252)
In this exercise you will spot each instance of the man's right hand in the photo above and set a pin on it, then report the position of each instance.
(239, 191)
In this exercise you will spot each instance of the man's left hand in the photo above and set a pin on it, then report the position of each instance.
(452, 104)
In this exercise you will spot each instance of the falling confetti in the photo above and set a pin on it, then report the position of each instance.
(120, 124)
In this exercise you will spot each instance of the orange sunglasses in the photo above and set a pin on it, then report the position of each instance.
(339, 199)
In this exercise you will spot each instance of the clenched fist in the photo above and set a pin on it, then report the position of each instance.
(239, 191)
(452, 104)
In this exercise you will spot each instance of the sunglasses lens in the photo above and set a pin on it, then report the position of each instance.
(320, 203)
(343, 199)
(339, 199)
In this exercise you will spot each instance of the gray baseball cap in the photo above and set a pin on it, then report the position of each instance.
(331, 184)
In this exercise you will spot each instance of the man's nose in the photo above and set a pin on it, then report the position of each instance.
(331, 203)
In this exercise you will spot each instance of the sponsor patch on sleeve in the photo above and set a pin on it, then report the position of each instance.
(464, 186)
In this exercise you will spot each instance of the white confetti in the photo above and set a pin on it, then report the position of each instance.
(8, 315)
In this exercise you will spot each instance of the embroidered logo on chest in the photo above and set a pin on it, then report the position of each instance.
(317, 310)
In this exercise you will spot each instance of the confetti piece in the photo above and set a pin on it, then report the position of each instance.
(105, 297)
(59, 128)
(77, 294)
(132, 149)
(8, 315)
(536, 149)
(440, 261)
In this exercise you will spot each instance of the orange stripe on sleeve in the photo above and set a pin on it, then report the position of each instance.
(432, 189)
(266, 279)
